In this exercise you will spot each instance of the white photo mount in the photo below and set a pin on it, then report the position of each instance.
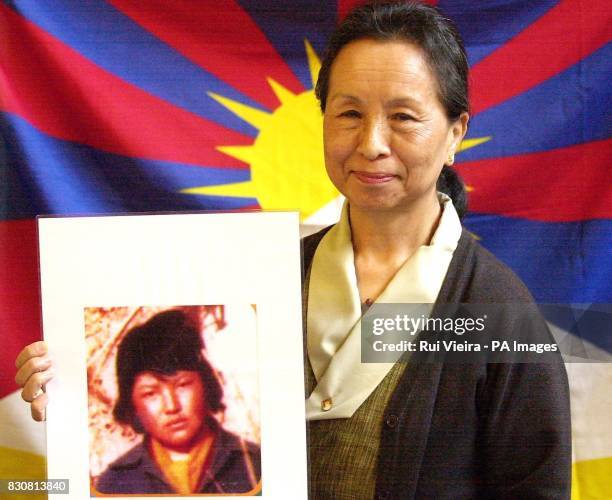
(169, 260)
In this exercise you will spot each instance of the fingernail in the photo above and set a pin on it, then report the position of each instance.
(37, 393)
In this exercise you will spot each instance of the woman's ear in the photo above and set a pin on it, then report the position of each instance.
(458, 131)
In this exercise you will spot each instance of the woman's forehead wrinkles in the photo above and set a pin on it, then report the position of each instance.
(348, 98)
(401, 75)
(366, 81)
(403, 100)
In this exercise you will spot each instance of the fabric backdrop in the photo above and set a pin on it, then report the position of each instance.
(167, 105)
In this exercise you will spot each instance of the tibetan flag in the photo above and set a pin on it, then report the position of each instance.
(123, 106)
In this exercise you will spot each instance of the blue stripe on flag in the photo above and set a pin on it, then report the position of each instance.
(50, 176)
(567, 262)
(571, 108)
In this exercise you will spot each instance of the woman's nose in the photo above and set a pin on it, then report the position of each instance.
(374, 140)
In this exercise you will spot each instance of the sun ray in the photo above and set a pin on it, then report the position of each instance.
(467, 144)
(245, 153)
(259, 119)
(314, 64)
(284, 95)
(239, 190)
(470, 143)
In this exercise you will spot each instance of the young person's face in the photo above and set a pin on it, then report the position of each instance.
(171, 408)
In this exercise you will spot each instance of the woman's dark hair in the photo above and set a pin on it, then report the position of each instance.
(440, 41)
(166, 343)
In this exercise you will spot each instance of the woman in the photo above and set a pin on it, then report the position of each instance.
(393, 90)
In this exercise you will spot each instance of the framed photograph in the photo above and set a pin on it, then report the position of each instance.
(177, 341)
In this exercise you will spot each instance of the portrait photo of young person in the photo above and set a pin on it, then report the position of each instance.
(163, 430)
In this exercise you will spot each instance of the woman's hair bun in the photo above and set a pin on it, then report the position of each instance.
(451, 184)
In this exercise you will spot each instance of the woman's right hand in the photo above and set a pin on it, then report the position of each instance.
(34, 370)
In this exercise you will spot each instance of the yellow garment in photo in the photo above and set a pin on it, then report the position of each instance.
(183, 475)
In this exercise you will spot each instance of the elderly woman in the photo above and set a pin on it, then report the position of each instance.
(393, 88)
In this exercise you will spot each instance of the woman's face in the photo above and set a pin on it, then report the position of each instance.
(386, 134)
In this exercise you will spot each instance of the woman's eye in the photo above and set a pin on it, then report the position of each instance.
(351, 113)
(402, 117)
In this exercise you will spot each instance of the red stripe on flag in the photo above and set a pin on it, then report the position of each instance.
(345, 6)
(198, 29)
(565, 34)
(562, 185)
(66, 96)
(19, 295)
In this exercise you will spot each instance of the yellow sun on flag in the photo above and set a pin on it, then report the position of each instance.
(286, 159)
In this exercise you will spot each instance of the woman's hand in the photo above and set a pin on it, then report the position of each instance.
(34, 370)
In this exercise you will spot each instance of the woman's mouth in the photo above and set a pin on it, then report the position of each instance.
(373, 177)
